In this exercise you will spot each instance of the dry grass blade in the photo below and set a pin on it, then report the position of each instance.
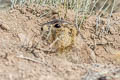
(30, 59)
(109, 17)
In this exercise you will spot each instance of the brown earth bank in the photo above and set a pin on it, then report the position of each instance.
(95, 56)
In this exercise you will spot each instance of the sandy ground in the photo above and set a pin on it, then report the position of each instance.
(95, 56)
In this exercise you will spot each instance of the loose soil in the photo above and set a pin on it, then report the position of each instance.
(96, 53)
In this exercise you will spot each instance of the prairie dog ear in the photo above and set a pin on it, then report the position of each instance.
(73, 30)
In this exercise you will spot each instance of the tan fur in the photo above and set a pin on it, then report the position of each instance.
(66, 35)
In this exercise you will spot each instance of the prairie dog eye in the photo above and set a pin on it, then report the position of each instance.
(57, 26)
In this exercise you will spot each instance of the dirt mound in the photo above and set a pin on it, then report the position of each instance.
(23, 56)
(102, 37)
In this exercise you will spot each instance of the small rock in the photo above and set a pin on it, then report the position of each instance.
(4, 27)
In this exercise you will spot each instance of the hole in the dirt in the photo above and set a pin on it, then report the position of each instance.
(42, 29)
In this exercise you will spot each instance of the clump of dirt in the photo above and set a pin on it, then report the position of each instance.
(23, 55)
(102, 36)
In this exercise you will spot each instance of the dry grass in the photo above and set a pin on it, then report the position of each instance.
(78, 61)
(81, 7)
